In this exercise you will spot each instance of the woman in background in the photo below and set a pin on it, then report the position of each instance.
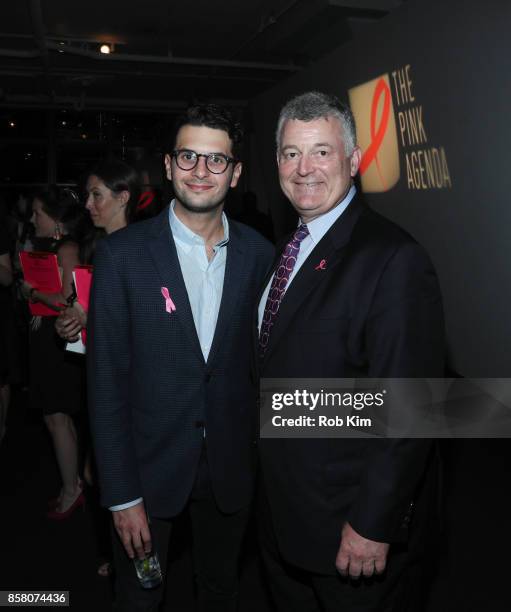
(112, 193)
(55, 378)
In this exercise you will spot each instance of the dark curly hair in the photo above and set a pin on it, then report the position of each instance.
(214, 117)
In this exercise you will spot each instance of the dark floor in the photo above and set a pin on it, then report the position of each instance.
(471, 555)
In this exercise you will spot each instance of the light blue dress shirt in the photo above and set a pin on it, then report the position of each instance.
(318, 227)
(204, 281)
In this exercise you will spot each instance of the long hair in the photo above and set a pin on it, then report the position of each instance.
(119, 176)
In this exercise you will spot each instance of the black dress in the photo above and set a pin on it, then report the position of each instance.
(56, 376)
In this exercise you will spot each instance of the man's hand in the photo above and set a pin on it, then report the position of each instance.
(359, 556)
(131, 525)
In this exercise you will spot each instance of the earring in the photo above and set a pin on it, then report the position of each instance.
(57, 234)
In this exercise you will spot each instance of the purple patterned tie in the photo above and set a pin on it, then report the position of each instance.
(278, 286)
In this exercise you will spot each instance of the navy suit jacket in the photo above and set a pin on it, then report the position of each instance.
(150, 391)
(374, 311)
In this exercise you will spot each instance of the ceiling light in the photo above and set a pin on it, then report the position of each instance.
(12, 124)
(106, 49)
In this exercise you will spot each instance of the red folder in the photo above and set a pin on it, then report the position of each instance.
(41, 271)
(83, 278)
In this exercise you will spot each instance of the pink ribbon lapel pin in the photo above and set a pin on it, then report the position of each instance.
(169, 304)
(321, 265)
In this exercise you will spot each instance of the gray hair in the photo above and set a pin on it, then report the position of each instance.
(316, 105)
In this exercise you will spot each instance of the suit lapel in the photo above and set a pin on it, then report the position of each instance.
(163, 252)
(331, 248)
(234, 278)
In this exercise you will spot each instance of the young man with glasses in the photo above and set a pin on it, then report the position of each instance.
(171, 397)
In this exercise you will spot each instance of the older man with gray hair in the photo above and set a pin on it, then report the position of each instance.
(352, 295)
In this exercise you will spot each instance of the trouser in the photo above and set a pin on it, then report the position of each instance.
(297, 590)
(217, 539)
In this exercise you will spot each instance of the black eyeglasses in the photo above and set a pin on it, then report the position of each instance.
(217, 163)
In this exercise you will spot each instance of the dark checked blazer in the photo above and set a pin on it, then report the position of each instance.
(374, 311)
(150, 391)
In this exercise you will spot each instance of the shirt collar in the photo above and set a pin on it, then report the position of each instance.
(319, 227)
(188, 239)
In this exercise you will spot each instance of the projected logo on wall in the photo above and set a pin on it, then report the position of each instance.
(377, 136)
(375, 115)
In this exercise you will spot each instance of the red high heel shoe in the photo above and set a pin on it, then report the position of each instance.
(54, 515)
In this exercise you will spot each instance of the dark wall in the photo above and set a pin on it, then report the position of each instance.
(458, 57)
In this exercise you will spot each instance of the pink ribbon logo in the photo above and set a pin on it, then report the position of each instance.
(321, 265)
(377, 132)
(169, 304)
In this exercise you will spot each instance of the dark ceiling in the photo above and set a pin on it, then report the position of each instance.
(165, 53)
